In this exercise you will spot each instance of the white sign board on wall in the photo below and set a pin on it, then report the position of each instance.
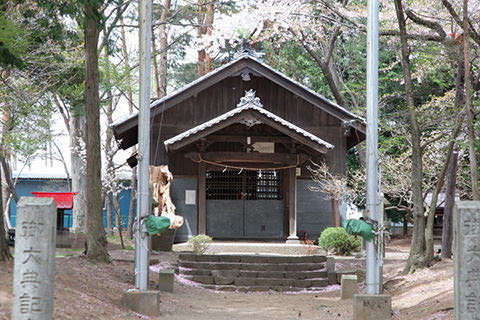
(190, 197)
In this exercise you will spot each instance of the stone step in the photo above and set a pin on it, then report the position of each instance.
(265, 282)
(251, 258)
(252, 266)
(255, 274)
(257, 288)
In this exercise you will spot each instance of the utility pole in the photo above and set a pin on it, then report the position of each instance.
(142, 241)
(373, 188)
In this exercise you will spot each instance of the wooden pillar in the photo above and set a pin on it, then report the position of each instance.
(333, 212)
(337, 214)
(292, 206)
(202, 205)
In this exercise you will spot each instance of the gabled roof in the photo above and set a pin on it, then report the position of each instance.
(242, 114)
(244, 63)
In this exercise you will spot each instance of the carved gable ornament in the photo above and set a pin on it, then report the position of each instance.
(250, 100)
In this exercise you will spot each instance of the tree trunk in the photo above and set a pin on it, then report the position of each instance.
(333, 81)
(7, 176)
(133, 183)
(108, 205)
(155, 64)
(209, 25)
(200, 33)
(118, 218)
(131, 208)
(96, 242)
(429, 252)
(79, 172)
(468, 105)
(110, 179)
(447, 227)
(163, 39)
(4, 250)
(4, 152)
(205, 21)
(459, 99)
(327, 65)
(417, 248)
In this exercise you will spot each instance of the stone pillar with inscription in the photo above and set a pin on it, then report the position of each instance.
(467, 260)
(34, 266)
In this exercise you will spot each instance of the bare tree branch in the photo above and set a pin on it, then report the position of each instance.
(426, 23)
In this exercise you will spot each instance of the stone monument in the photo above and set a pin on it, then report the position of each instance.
(349, 286)
(467, 260)
(34, 266)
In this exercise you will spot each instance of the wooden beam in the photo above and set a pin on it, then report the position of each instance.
(243, 139)
(202, 199)
(295, 135)
(246, 157)
(207, 132)
(247, 166)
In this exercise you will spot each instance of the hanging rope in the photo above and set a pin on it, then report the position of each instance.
(245, 168)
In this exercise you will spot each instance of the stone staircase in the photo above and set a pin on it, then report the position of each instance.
(237, 272)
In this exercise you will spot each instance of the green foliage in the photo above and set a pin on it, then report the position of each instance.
(200, 243)
(13, 42)
(291, 59)
(339, 240)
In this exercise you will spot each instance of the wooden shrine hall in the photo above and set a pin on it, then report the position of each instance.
(238, 142)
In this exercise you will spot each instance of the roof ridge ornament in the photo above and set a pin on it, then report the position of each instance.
(246, 49)
(250, 99)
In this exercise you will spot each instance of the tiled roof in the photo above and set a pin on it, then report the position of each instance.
(248, 102)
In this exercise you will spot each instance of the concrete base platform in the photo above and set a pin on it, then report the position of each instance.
(372, 307)
(230, 247)
(145, 302)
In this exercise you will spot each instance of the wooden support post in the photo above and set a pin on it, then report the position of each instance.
(202, 205)
(292, 206)
(337, 214)
(333, 212)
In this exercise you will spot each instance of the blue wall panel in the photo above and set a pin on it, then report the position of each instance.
(25, 187)
(124, 199)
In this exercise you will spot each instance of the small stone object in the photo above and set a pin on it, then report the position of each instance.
(349, 286)
(146, 302)
(34, 259)
(332, 276)
(165, 280)
(467, 260)
(372, 307)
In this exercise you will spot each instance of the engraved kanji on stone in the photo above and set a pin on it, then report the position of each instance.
(471, 224)
(31, 229)
(29, 303)
(472, 272)
(473, 302)
(30, 277)
(33, 255)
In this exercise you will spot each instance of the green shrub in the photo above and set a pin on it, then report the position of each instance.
(339, 240)
(200, 243)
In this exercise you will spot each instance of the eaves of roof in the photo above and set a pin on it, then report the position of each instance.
(235, 67)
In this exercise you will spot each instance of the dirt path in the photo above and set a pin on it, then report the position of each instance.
(84, 290)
